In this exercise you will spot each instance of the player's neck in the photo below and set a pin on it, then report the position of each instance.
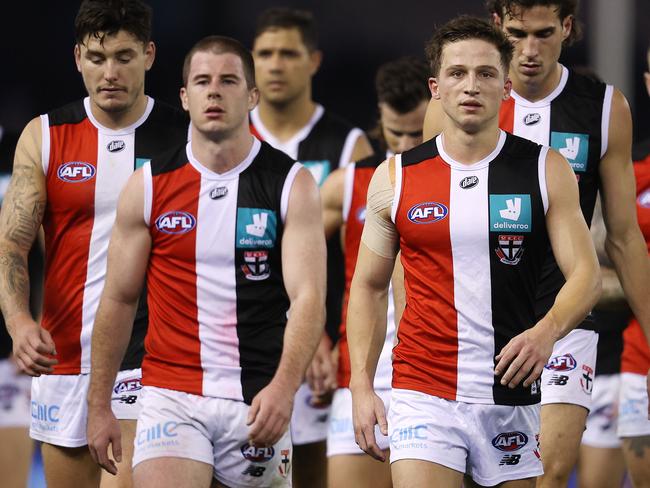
(469, 148)
(285, 120)
(222, 154)
(534, 90)
(120, 120)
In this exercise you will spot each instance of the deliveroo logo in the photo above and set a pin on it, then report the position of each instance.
(510, 213)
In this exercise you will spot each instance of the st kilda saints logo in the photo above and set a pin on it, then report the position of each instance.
(256, 267)
(510, 249)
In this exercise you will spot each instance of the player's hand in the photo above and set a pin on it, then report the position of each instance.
(104, 429)
(367, 411)
(524, 357)
(33, 347)
(269, 414)
(321, 373)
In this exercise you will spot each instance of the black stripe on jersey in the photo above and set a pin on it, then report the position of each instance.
(262, 305)
(371, 161)
(72, 113)
(426, 150)
(514, 286)
(166, 127)
(641, 150)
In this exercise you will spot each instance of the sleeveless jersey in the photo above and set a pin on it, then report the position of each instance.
(324, 144)
(357, 180)
(86, 166)
(574, 120)
(636, 354)
(217, 303)
(473, 241)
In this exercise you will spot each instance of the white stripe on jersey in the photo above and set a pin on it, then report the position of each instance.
(45, 143)
(604, 124)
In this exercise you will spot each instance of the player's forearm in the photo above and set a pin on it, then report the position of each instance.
(366, 330)
(630, 258)
(111, 334)
(303, 332)
(612, 297)
(14, 284)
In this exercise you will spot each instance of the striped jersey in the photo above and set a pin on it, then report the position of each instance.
(85, 166)
(217, 302)
(636, 353)
(357, 180)
(473, 241)
(574, 120)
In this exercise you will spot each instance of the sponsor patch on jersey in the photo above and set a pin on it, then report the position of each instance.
(128, 384)
(409, 437)
(257, 454)
(532, 119)
(256, 228)
(256, 265)
(427, 212)
(566, 362)
(175, 222)
(76, 172)
(468, 182)
(574, 147)
(140, 162)
(115, 146)
(510, 213)
(510, 441)
(318, 169)
(644, 198)
(510, 249)
(219, 192)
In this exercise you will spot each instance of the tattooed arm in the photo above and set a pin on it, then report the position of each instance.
(20, 220)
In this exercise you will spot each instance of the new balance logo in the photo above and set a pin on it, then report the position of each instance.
(558, 380)
(258, 227)
(255, 471)
(510, 460)
(512, 210)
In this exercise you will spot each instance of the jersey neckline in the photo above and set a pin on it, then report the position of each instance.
(123, 131)
(231, 173)
(474, 166)
(564, 77)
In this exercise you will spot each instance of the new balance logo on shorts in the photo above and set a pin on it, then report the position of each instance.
(510, 460)
(558, 380)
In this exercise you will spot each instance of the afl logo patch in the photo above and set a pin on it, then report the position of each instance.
(532, 119)
(644, 199)
(115, 146)
(510, 441)
(76, 172)
(175, 222)
(468, 182)
(217, 193)
(427, 213)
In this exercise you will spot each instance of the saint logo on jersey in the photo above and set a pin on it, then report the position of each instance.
(427, 213)
(644, 198)
(510, 212)
(574, 147)
(587, 379)
(468, 182)
(76, 172)
(565, 362)
(175, 222)
(510, 249)
(318, 169)
(532, 119)
(115, 146)
(256, 228)
(256, 267)
(510, 441)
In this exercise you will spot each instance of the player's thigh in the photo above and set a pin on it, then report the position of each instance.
(600, 467)
(124, 478)
(15, 456)
(413, 473)
(172, 472)
(562, 425)
(69, 466)
(637, 458)
(359, 470)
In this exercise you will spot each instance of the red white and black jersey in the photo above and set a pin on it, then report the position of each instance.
(357, 180)
(85, 166)
(636, 353)
(473, 241)
(574, 120)
(217, 302)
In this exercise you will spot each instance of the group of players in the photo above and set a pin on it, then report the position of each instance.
(203, 241)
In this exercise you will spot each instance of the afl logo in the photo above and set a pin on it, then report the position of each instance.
(427, 213)
(175, 222)
(644, 199)
(468, 182)
(532, 119)
(510, 441)
(115, 146)
(257, 454)
(76, 172)
(562, 363)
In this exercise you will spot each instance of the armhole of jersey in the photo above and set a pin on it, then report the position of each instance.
(347, 190)
(348, 147)
(148, 191)
(398, 187)
(541, 175)
(286, 190)
(604, 126)
(45, 143)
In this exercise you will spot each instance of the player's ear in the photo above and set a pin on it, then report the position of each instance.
(315, 57)
(567, 27)
(433, 88)
(77, 56)
(184, 102)
(507, 88)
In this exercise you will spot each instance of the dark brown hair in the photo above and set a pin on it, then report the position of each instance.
(100, 18)
(289, 18)
(402, 84)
